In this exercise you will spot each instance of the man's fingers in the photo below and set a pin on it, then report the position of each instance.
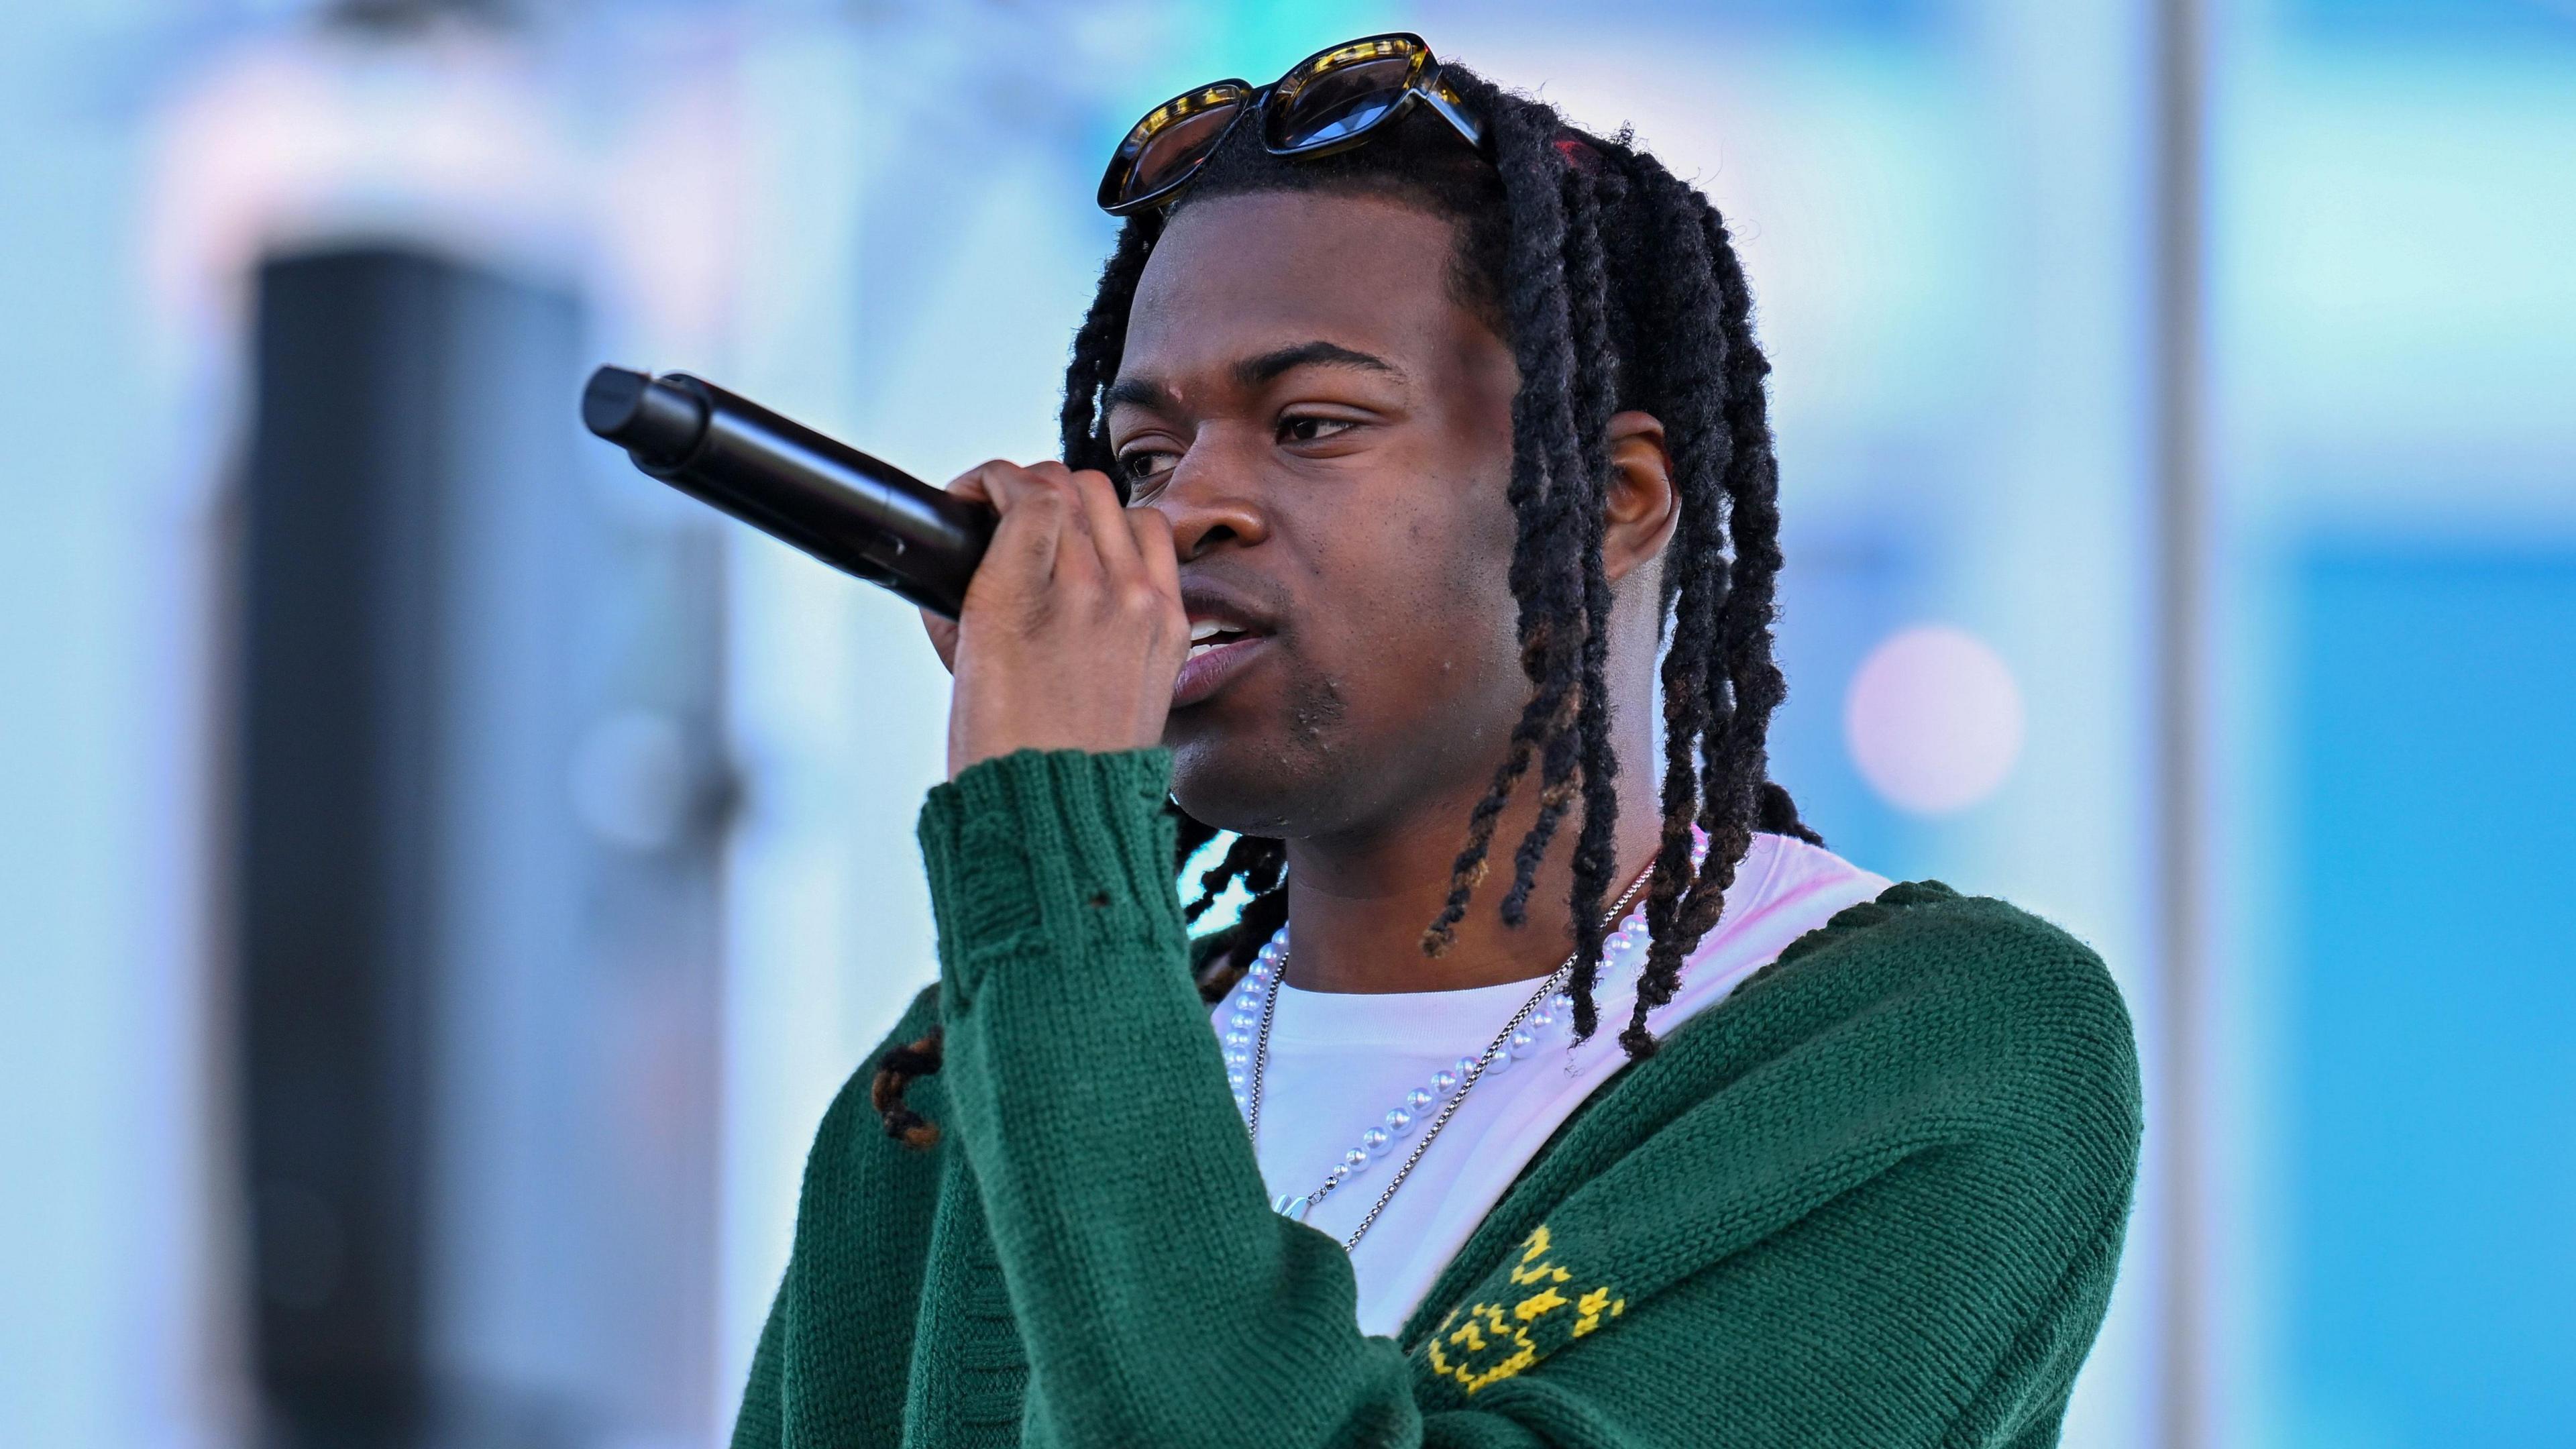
(1151, 533)
(1008, 486)
(970, 485)
(943, 638)
(1106, 517)
(1034, 519)
(1072, 627)
(1045, 531)
(1005, 485)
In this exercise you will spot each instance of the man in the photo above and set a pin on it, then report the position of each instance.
(1413, 440)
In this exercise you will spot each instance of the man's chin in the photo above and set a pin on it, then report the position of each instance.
(1233, 784)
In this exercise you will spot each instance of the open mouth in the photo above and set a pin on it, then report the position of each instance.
(1233, 627)
(1222, 644)
(1212, 634)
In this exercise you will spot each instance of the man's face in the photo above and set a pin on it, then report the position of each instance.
(1329, 432)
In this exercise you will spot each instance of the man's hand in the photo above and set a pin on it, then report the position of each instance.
(1072, 630)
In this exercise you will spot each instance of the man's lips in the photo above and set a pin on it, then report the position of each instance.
(1232, 623)
(1219, 650)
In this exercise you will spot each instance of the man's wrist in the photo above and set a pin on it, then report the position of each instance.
(1031, 851)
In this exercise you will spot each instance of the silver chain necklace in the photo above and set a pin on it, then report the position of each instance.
(1295, 1206)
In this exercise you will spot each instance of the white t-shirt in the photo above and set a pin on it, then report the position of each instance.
(1338, 1061)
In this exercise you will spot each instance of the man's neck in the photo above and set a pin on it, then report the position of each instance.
(1360, 905)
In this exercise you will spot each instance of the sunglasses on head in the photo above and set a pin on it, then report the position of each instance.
(1330, 101)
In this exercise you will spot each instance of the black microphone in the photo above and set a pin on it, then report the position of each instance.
(792, 483)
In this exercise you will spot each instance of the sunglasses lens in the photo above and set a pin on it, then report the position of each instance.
(1169, 144)
(1340, 100)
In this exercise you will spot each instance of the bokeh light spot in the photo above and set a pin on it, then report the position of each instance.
(1933, 719)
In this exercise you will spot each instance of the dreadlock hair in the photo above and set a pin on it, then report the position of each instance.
(1617, 287)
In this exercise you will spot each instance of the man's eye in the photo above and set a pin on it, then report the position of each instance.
(1310, 429)
(1145, 464)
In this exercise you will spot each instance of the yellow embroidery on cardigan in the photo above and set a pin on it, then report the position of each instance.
(1591, 1306)
(1482, 1330)
(1527, 1355)
(1439, 1360)
(1537, 1303)
(1537, 1271)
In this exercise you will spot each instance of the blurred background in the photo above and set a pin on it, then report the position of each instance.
(444, 875)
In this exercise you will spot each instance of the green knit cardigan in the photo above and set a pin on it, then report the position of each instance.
(1876, 1197)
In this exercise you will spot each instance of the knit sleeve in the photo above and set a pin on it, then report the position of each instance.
(1160, 1300)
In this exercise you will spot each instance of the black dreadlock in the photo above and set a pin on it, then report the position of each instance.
(1618, 288)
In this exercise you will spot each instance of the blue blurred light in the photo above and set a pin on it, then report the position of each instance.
(2431, 1111)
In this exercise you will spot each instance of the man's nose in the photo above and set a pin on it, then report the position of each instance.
(1210, 500)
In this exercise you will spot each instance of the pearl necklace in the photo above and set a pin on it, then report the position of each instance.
(1247, 1053)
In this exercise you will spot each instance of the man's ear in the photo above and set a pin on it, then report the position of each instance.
(1638, 516)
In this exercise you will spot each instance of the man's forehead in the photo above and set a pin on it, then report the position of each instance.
(1291, 264)
(1244, 288)
(1217, 327)
(1297, 236)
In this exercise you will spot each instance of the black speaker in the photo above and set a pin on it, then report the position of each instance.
(476, 805)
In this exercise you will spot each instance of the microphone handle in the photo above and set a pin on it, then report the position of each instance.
(862, 516)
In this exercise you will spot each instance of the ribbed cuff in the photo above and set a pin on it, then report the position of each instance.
(1042, 852)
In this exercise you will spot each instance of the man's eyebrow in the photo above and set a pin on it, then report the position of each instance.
(1139, 392)
(1255, 371)
(1147, 393)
